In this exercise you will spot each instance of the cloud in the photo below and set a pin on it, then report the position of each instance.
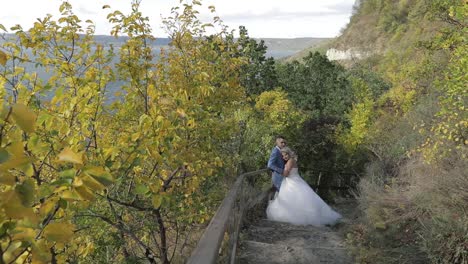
(278, 14)
(343, 7)
(85, 11)
(263, 18)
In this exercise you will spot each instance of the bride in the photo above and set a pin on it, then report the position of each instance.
(296, 202)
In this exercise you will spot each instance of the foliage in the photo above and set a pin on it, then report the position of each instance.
(360, 116)
(138, 172)
(449, 133)
(258, 74)
(49, 149)
(413, 194)
(318, 85)
(323, 90)
(272, 115)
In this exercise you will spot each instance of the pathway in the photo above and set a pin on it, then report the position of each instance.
(266, 241)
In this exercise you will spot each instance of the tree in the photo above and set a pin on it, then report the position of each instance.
(129, 178)
(258, 74)
(317, 86)
(50, 167)
(273, 114)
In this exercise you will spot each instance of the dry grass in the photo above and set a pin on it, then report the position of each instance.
(418, 216)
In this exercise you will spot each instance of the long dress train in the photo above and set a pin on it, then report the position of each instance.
(297, 203)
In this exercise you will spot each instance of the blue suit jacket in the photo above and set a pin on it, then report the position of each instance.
(276, 164)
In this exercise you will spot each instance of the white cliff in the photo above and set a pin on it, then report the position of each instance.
(349, 54)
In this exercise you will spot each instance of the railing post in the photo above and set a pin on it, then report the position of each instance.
(208, 246)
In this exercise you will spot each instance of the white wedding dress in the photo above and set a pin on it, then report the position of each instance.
(298, 204)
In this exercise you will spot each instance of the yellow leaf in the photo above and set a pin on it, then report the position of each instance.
(92, 184)
(3, 58)
(9, 255)
(17, 159)
(59, 232)
(14, 208)
(27, 169)
(24, 233)
(165, 101)
(7, 178)
(84, 193)
(100, 174)
(70, 195)
(47, 206)
(24, 117)
(67, 155)
(77, 182)
(40, 253)
(181, 113)
(135, 136)
(157, 200)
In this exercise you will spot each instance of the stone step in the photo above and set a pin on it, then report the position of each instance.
(259, 253)
(287, 234)
(274, 224)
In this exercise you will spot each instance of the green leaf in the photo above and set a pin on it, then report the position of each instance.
(63, 204)
(25, 192)
(63, 182)
(141, 189)
(42, 118)
(3, 155)
(6, 226)
(68, 173)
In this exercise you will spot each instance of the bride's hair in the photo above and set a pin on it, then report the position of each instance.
(291, 153)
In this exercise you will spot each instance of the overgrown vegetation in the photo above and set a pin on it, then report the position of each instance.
(415, 191)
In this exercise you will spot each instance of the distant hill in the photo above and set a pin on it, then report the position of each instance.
(104, 39)
(280, 48)
(277, 47)
(320, 46)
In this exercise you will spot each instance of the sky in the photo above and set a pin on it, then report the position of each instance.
(262, 18)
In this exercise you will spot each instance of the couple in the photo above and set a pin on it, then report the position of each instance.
(296, 202)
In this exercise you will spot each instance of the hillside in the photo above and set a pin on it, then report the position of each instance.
(377, 27)
(413, 190)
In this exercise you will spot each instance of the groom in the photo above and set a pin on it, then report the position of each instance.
(276, 162)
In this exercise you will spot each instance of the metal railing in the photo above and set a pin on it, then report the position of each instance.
(218, 243)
